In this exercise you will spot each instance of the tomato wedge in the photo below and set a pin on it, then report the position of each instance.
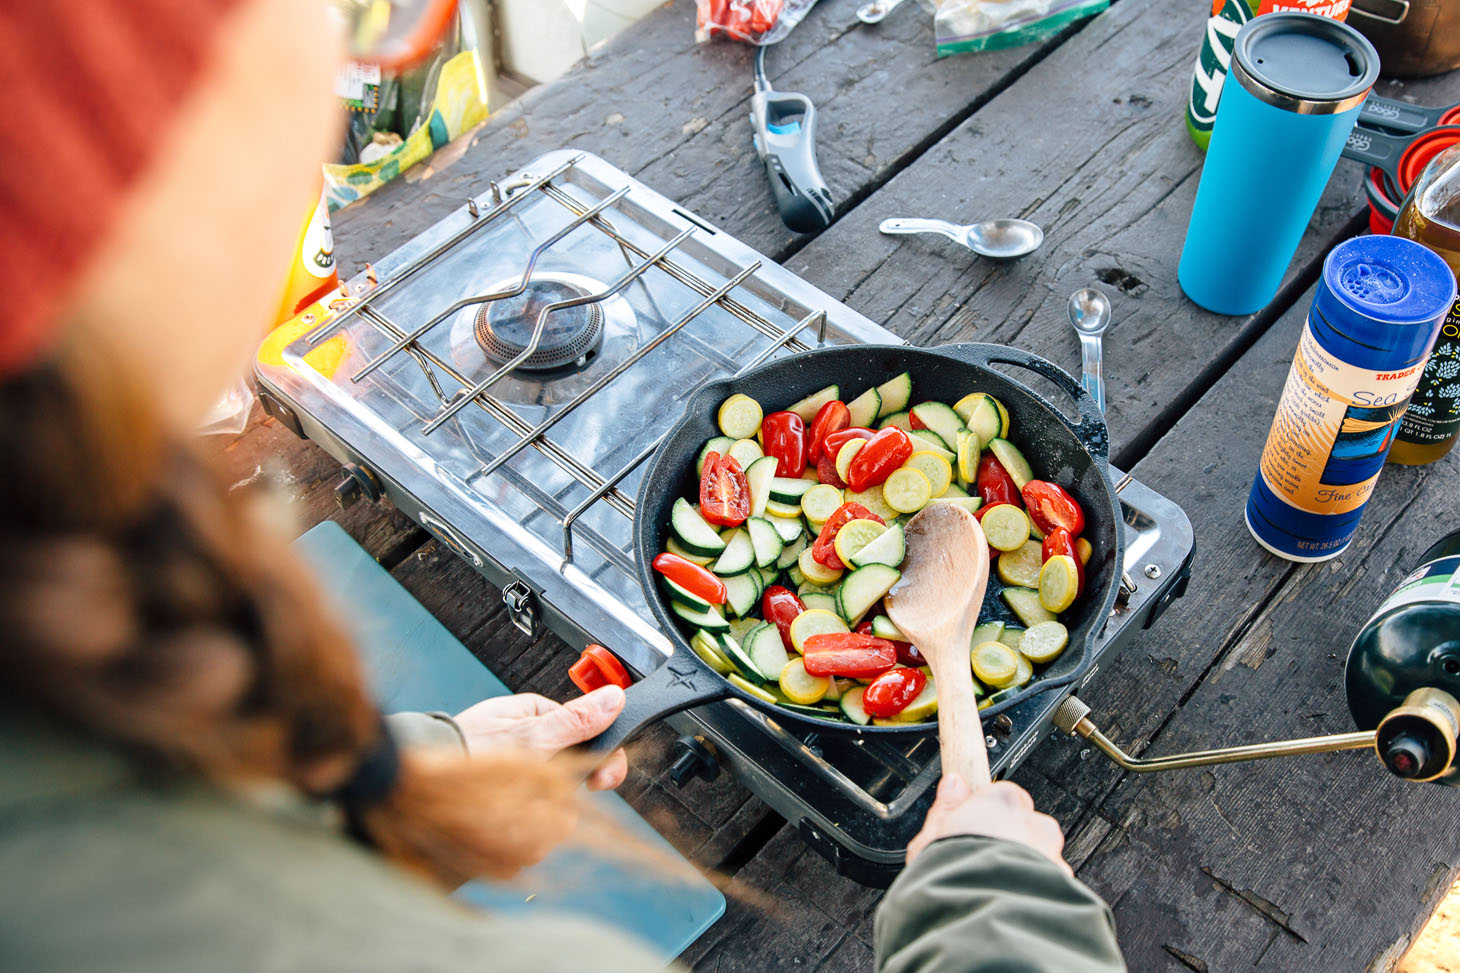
(824, 550)
(907, 653)
(994, 483)
(784, 436)
(848, 654)
(780, 606)
(830, 418)
(691, 577)
(877, 460)
(724, 491)
(891, 692)
(1061, 541)
(1050, 505)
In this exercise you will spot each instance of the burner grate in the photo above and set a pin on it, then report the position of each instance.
(504, 333)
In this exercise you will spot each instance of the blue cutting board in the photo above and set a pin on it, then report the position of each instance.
(414, 663)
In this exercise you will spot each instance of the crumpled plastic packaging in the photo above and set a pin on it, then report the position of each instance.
(755, 22)
(961, 26)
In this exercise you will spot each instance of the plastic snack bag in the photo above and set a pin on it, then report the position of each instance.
(752, 21)
(990, 25)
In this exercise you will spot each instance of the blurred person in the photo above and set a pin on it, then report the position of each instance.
(192, 773)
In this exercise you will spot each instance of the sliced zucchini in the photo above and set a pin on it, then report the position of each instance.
(784, 511)
(1005, 526)
(758, 475)
(789, 491)
(740, 416)
(971, 504)
(934, 467)
(794, 573)
(940, 419)
(1044, 642)
(883, 628)
(822, 600)
(895, 394)
(707, 647)
(787, 528)
(968, 451)
(872, 499)
(1012, 461)
(791, 553)
(801, 687)
(809, 406)
(907, 490)
(1025, 672)
(764, 539)
(710, 621)
(1013, 637)
(768, 577)
(846, 454)
(864, 588)
(814, 621)
(923, 440)
(954, 492)
(1021, 566)
(852, 708)
(888, 549)
(924, 705)
(900, 420)
(815, 571)
(741, 627)
(855, 535)
(820, 502)
(742, 593)
(690, 529)
(739, 555)
(1059, 583)
(745, 685)
(719, 444)
(684, 597)
(865, 408)
(767, 653)
(745, 452)
(738, 653)
(674, 547)
(818, 712)
(983, 417)
(995, 664)
(1024, 603)
(987, 632)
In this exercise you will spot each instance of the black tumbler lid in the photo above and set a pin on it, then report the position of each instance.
(1304, 63)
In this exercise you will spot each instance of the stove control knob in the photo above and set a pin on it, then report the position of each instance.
(694, 757)
(358, 482)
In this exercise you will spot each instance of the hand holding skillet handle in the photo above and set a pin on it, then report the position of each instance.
(936, 606)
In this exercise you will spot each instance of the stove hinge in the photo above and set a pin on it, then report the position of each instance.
(518, 598)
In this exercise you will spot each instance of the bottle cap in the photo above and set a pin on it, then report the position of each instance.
(1388, 280)
(1304, 63)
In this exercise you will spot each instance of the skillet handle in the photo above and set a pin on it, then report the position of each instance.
(1091, 430)
(680, 683)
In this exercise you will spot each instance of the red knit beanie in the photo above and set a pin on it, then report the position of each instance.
(90, 88)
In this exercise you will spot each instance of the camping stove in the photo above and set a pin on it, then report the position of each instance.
(518, 439)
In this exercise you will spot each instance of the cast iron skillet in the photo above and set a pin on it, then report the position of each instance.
(1071, 454)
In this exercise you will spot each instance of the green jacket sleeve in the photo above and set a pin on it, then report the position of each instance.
(974, 903)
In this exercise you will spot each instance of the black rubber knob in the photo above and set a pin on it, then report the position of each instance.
(1406, 755)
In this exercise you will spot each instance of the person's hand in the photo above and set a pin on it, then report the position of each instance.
(998, 810)
(533, 724)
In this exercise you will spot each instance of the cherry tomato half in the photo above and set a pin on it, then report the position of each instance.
(891, 692)
(824, 550)
(877, 460)
(780, 606)
(724, 491)
(1051, 506)
(691, 577)
(830, 418)
(835, 441)
(784, 435)
(1061, 541)
(907, 653)
(848, 654)
(826, 472)
(994, 483)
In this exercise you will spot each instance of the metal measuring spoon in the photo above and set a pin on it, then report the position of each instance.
(1090, 314)
(872, 13)
(999, 239)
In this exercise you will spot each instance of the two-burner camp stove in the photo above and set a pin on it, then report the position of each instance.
(524, 456)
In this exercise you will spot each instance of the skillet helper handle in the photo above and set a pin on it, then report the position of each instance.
(1375, 148)
(1091, 430)
(1397, 115)
(678, 684)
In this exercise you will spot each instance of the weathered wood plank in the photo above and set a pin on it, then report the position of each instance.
(675, 113)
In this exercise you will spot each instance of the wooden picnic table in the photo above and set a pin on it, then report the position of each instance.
(1298, 864)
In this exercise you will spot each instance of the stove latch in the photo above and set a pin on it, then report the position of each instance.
(518, 599)
(358, 482)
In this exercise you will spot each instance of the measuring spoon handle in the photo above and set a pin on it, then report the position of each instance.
(899, 225)
(1092, 368)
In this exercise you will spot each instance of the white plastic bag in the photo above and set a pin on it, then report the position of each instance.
(990, 25)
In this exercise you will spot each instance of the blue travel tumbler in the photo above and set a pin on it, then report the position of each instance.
(1287, 107)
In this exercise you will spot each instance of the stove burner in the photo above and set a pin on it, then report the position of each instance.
(570, 338)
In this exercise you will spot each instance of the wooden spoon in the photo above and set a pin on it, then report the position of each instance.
(936, 605)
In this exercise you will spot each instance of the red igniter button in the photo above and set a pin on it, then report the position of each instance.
(597, 667)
